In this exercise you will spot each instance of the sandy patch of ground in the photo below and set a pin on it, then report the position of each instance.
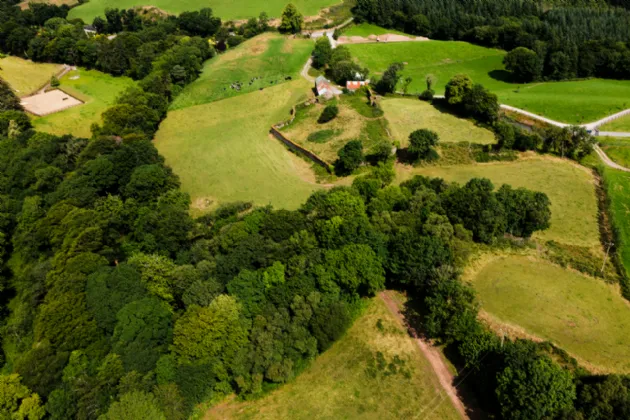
(379, 38)
(49, 102)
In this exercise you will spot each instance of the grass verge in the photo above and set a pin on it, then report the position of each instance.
(347, 381)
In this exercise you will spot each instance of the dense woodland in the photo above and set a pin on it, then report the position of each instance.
(117, 304)
(573, 39)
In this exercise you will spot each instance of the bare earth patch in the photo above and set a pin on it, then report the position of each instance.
(49, 102)
(380, 38)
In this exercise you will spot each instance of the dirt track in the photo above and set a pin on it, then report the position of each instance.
(444, 375)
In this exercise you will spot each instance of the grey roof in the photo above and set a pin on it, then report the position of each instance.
(321, 79)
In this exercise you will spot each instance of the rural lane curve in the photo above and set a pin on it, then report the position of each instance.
(608, 161)
(433, 356)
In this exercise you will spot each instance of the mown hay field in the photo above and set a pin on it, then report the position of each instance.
(97, 90)
(222, 151)
(259, 63)
(340, 385)
(225, 9)
(25, 76)
(406, 115)
(582, 315)
(568, 101)
(569, 186)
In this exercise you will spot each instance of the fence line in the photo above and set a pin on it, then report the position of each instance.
(299, 149)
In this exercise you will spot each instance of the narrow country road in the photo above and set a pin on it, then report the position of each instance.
(305, 70)
(442, 372)
(609, 161)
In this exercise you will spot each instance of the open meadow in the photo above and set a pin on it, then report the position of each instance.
(259, 63)
(620, 124)
(406, 115)
(222, 154)
(618, 188)
(357, 120)
(344, 383)
(569, 186)
(225, 9)
(617, 148)
(25, 76)
(365, 29)
(97, 90)
(582, 315)
(569, 101)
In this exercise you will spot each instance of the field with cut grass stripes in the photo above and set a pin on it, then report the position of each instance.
(225, 9)
(259, 63)
(97, 90)
(25, 76)
(569, 101)
(406, 115)
(341, 383)
(582, 315)
(570, 189)
(222, 151)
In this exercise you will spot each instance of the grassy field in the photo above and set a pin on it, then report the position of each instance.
(223, 154)
(582, 315)
(570, 101)
(367, 29)
(355, 121)
(25, 76)
(406, 115)
(338, 384)
(568, 185)
(269, 58)
(225, 9)
(618, 149)
(620, 124)
(618, 187)
(97, 90)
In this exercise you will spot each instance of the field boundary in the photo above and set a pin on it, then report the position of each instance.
(299, 149)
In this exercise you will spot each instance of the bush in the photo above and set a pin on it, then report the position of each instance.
(328, 114)
(421, 141)
(427, 95)
(235, 40)
(321, 136)
(350, 158)
(54, 82)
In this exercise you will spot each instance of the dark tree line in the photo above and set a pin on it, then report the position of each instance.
(574, 39)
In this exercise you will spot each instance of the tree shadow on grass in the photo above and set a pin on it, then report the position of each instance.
(414, 311)
(502, 76)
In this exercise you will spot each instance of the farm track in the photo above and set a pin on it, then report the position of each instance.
(444, 375)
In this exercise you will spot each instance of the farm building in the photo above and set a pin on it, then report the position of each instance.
(353, 85)
(325, 88)
(89, 30)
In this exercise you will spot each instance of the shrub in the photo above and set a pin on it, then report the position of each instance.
(427, 95)
(350, 158)
(321, 136)
(328, 114)
(235, 40)
(54, 82)
(421, 141)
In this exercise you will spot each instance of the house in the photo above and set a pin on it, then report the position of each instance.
(324, 88)
(89, 30)
(353, 85)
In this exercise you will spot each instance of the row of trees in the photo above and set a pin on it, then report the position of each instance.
(579, 39)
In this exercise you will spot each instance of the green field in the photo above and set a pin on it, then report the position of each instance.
(569, 187)
(620, 124)
(367, 29)
(570, 101)
(97, 90)
(223, 152)
(406, 115)
(618, 188)
(582, 315)
(618, 149)
(25, 76)
(225, 9)
(338, 384)
(270, 58)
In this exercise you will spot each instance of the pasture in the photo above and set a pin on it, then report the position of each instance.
(582, 315)
(569, 186)
(618, 149)
(406, 115)
(618, 188)
(340, 383)
(568, 101)
(620, 124)
(225, 9)
(222, 151)
(25, 76)
(356, 120)
(259, 63)
(97, 90)
(366, 29)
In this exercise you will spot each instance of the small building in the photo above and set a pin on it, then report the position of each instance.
(89, 30)
(353, 85)
(324, 87)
